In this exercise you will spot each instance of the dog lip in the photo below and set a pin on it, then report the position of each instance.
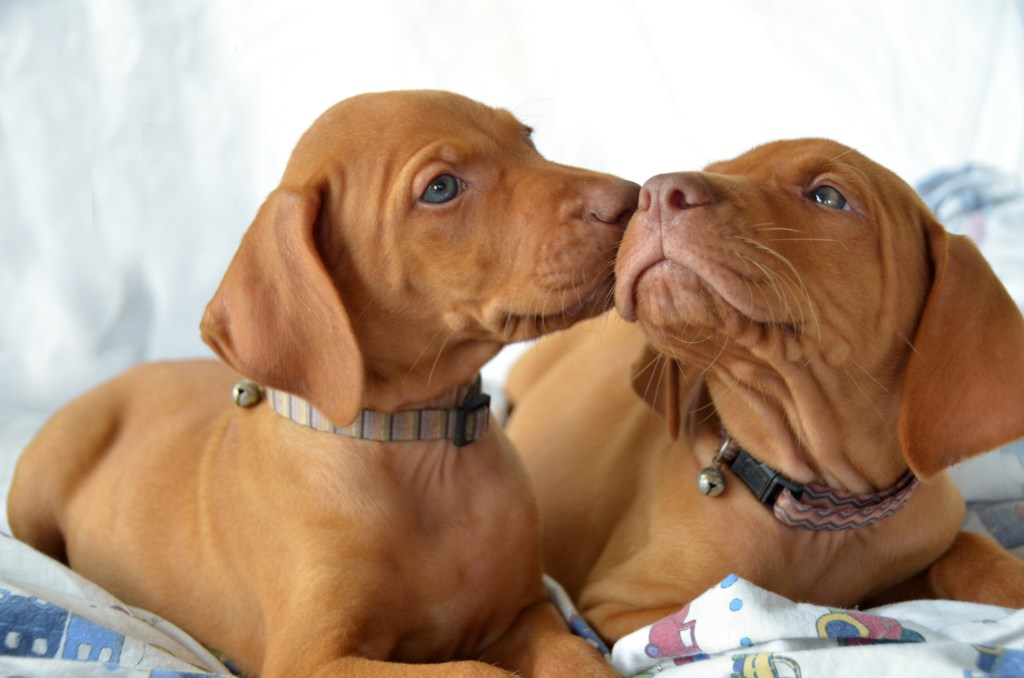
(539, 324)
(626, 288)
(627, 295)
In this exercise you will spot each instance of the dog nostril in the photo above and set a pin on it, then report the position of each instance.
(687, 193)
(644, 203)
(677, 199)
(684, 200)
(617, 208)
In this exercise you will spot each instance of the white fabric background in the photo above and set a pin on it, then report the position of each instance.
(137, 139)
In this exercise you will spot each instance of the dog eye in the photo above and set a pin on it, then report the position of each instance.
(442, 188)
(829, 197)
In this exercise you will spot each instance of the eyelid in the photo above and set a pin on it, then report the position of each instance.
(432, 170)
(838, 183)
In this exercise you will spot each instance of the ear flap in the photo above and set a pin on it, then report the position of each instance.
(963, 392)
(656, 380)
(277, 316)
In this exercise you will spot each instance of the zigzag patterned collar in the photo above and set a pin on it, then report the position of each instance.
(462, 425)
(811, 506)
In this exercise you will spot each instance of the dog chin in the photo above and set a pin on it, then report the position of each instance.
(515, 325)
(670, 297)
(663, 294)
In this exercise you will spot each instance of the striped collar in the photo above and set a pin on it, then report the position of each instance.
(811, 506)
(463, 425)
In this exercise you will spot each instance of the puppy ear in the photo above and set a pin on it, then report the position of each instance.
(963, 392)
(278, 317)
(655, 378)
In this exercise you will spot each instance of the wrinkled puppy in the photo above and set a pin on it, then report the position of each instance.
(821, 350)
(364, 510)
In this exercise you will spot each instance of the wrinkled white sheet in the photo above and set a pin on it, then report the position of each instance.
(55, 623)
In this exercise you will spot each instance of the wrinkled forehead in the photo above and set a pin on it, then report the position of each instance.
(790, 160)
(799, 163)
(400, 123)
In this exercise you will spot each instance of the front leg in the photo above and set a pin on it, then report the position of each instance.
(974, 569)
(360, 667)
(308, 647)
(346, 627)
(539, 644)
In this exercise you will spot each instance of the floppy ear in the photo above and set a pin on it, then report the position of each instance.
(963, 392)
(655, 378)
(278, 317)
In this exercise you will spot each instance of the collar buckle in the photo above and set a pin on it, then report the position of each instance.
(763, 481)
(467, 421)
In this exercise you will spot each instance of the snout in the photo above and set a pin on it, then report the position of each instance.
(572, 222)
(662, 200)
(613, 204)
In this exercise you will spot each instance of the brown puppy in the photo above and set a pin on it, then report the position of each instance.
(412, 236)
(802, 300)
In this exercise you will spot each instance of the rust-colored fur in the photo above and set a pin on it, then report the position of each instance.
(842, 344)
(299, 553)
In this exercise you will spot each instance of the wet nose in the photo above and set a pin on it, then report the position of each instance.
(675, 192)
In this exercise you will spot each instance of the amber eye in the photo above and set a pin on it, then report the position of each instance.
(442, 188)
(829, 196)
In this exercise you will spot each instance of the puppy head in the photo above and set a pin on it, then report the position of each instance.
(413, 234)
(782, 264)
(804, 267)
(791, 251)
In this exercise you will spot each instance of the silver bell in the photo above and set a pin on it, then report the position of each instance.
(246, 393)
(711, 481)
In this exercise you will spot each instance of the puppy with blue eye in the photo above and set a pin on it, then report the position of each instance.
(350, 501)
(819, 350)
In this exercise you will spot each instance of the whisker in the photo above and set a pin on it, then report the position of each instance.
(845, 246)
(437, 358)
(863, 392)
(799, 282)
(773, 280)
(909, 342)
(772, 227)
(423, 352)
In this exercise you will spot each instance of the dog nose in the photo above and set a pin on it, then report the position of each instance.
(616, 205)
(675, 192)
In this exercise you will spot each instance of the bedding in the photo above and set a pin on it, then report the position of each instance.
(738, 629)
(137, 139)
(54, 622)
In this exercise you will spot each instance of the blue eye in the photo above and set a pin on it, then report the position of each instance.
(442, 188)
(829, 197)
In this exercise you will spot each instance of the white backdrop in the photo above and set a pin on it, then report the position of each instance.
(138, 138)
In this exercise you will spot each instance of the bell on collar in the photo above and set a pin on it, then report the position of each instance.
(246, 393)
(711, 481)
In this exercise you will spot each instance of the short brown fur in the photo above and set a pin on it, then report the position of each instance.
(299, 553)
(841, 346)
